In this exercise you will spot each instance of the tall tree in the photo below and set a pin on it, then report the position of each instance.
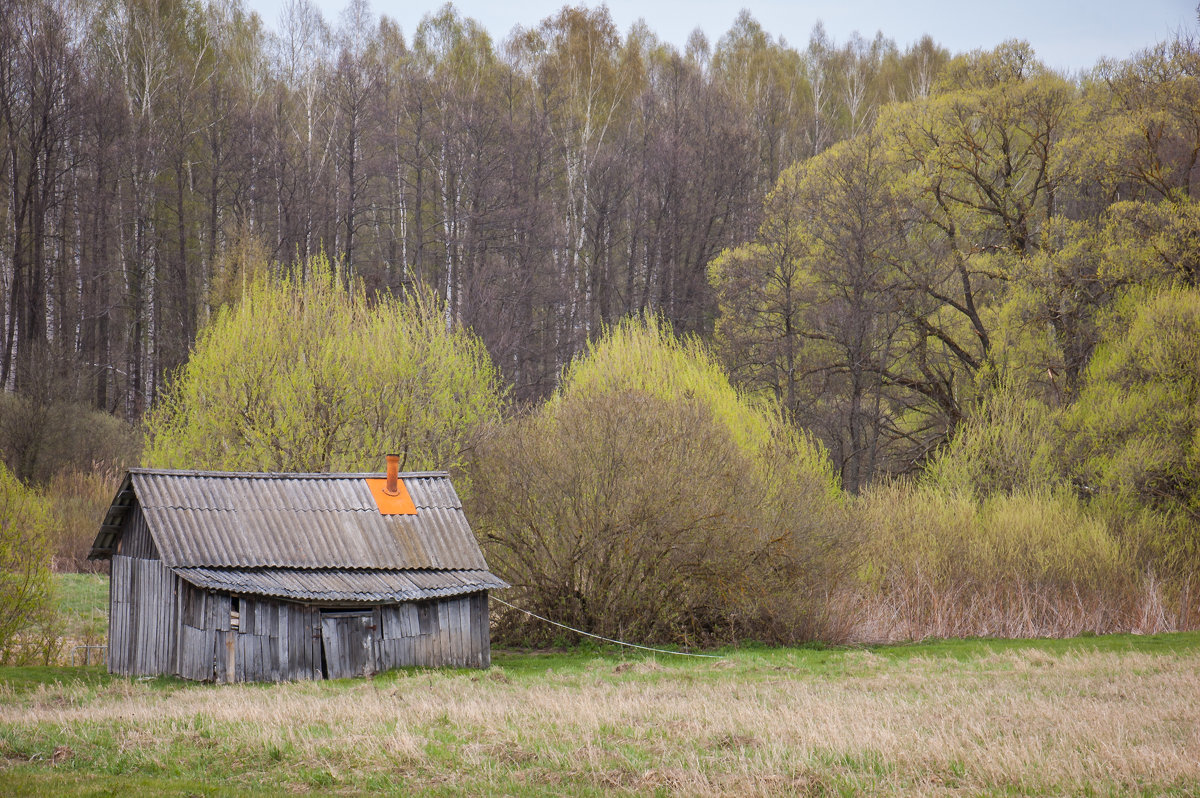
(810, 311)
(38, 81)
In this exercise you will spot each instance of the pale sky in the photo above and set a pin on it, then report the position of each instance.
(1066, 34)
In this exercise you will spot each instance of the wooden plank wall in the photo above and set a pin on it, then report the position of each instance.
(262, 640)
(277, 640)
(481, 633)
(135, 536)
(351, 640)
(142, 619)
(204, 634)
(304, 642)
(197, 657)
(118, 615)
(445, 632)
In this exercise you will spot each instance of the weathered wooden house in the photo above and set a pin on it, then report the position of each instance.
(252, 577)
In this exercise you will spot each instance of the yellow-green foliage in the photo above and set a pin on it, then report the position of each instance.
(1005, 447)
(1046, 538)
(644, 354)
(1133, 438)
(945, 539)
(25, 588)
(305, 375)
(244, 261)
(1150, 243)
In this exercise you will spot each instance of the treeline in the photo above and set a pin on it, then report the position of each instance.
(155, 152)
(966, 243)
(747, 341)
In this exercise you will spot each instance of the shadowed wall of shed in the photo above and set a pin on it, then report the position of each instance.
(142, 638)
(135, 538)
(281, 641)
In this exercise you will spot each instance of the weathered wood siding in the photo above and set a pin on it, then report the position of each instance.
(160, 624)
(142, 639)
(204, 634)
(274, 640)
(443, 632)
(278, 640)
(349, 639)
(135, 537)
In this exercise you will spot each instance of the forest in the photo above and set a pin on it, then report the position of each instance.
(844, 340)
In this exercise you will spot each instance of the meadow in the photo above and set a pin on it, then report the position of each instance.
(1113, 715)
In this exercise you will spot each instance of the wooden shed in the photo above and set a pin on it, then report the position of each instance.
(232, 577)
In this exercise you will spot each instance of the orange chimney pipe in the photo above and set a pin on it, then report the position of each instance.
(392, 488)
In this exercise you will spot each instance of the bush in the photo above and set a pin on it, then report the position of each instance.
(648, 500)
(1132, 441)
(304, 375)
(1030, 563)
(616, 514)
(78, 500)
(1005, 447)
(41, 435)
(27, 617)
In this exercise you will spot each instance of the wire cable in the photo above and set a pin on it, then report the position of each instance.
(605, 639)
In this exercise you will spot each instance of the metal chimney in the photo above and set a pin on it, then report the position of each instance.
(393, 470)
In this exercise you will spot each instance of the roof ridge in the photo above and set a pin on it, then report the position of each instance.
(176, 472)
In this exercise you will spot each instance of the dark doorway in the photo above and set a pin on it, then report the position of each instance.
(348, 644)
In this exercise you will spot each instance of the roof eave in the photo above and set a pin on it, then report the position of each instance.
(105, 544)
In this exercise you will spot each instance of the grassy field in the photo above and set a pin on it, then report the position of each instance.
(1113, 715)
(83, 604)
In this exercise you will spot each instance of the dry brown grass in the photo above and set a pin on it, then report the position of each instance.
(79, 499)
(919, 609)
(1033, 720)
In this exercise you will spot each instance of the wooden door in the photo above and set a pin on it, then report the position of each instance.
(349, 642)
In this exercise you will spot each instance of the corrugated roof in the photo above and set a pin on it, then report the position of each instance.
(348, 585)
(308, 521)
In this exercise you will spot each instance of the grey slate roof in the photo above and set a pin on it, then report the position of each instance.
(302, 521)
(327, 585)
(303, 536)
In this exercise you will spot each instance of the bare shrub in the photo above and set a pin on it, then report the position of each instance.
(78, 500)
(631, 515)
(42, 433)
(650, 499)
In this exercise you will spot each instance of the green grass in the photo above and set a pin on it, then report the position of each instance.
(599, 721)
(1112, 715)
(17, 680)
(81, 594)
(822, 660)
(82, 601)
(52, 782)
